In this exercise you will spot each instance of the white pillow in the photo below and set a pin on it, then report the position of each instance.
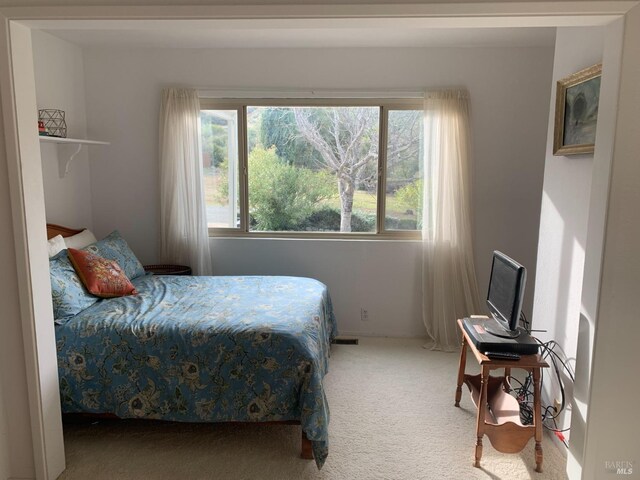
(56, 245)
(80, 240)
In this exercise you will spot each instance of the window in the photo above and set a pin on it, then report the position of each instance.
(316, 167)
(219, 131)
(403, 187)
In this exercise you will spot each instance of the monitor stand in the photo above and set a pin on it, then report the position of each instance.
(494, 328)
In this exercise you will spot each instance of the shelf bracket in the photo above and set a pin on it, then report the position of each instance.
(66, 154)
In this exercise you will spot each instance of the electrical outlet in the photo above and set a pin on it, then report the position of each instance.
(364, 315)
(557, 404)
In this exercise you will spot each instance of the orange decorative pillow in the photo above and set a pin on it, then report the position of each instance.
(103, 278)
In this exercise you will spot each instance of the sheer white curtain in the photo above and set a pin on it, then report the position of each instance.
(184, 236)
(450, 290)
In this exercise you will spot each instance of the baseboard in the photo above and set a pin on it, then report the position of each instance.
(378, 335)
(556, 441)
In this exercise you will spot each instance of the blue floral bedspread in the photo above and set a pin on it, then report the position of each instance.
(204, 349)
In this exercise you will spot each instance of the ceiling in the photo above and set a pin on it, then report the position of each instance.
(291, 33)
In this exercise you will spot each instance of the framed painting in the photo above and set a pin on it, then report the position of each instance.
(577, 98)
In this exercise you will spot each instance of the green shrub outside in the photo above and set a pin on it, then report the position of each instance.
(327, 219)
(411, 194)
(392, 223)
(282, 196)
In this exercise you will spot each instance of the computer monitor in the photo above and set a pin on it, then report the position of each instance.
(504, 299)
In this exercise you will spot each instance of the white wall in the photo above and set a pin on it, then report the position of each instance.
(563, 220)
(59, 74)
(123, 91)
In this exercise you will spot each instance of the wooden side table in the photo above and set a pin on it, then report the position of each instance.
(498, 412)
(166, 269)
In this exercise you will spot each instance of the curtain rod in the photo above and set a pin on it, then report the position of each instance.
(315, 93)
(447, 93)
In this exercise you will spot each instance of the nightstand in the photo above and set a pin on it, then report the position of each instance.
(168, 269)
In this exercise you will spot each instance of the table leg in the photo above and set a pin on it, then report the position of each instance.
(482, 401)
(461, 369)
(537, 418)
(306, 451)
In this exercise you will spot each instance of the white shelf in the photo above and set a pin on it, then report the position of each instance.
(66, 155)
(80, 141)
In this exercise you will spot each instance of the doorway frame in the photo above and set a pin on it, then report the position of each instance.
(23, 150)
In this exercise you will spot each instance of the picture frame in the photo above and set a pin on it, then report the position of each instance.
(577, 98)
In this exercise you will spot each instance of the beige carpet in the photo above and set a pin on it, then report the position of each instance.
(392, 417)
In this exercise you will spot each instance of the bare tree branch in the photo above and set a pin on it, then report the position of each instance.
(343, 148)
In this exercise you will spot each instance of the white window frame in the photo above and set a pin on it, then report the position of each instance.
(241, 104)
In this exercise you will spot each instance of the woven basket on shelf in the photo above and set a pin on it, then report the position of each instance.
(54, 122)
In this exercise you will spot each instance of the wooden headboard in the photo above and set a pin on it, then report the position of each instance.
(53, 230)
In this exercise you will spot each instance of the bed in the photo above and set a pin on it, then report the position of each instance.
(203, 349)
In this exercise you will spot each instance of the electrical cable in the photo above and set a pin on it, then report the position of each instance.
(525, 389)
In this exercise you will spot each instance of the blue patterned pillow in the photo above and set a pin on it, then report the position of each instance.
(68, 294)
(114, 247)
